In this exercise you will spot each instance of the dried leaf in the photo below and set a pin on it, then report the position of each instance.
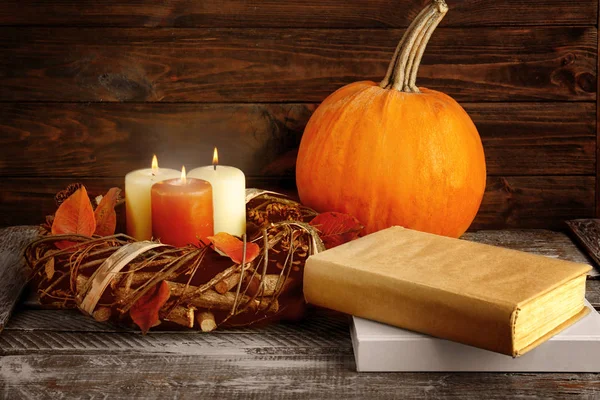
(49, 268)
(46, 227)
(234, 247)
(145, 311)
(336, 228)
(106, 217)
(75, 215)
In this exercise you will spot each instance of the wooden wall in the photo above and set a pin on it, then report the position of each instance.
(90, 89)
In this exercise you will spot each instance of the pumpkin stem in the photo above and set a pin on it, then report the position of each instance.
(402, 72)
(386, 80)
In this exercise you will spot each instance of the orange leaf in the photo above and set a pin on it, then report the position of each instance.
(106, 217)
(75, 215)
(234, 247)
(145, 311)
(336, 228)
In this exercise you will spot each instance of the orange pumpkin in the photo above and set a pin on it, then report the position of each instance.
(394, 154)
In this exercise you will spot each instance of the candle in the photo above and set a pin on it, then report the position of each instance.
(229, 195)
(137, 198)
(182, 210)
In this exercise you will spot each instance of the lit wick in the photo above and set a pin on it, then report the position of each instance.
(215, 159)
(183, 177)
(154, 165)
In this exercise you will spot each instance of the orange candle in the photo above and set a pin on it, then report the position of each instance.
(182, 211)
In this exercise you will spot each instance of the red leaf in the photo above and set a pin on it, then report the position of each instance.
(75, 215)
(234, 247)
(336, 228)
(145, 311)
(106, 217)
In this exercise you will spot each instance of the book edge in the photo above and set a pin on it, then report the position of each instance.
(556, 285)
(355, 345)
(559, 328)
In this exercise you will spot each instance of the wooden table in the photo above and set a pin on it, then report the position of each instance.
(62, 354)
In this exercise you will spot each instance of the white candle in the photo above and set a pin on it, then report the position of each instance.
(229, 195)
(138, 185)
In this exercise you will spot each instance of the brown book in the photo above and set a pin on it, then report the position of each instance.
(485, 296)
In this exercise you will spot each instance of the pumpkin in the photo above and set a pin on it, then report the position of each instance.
(392, 153)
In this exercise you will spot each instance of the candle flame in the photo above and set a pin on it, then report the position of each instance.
(215, 158)
(183, 175)
(154, 164)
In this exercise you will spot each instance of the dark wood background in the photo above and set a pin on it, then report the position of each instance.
(90, 90)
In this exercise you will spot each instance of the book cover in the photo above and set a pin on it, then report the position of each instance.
(380, 347)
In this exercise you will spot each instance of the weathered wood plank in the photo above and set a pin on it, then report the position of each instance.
(279, 376)
(271, 65)
(317, 322)
(597, 214)
(113, 139)
(509, 202)
(282, 13)
(13, 271)
(215, 344)
(543, 133)
(59, 353)
(592, 293)
(53, 331)
(537, 241)
(540, 241)
(261, 139)
(535, 202)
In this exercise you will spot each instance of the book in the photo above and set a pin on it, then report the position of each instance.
(384, 348)
(497, 299)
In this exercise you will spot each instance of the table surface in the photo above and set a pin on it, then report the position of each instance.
(63, 354)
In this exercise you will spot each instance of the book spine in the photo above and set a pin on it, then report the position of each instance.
(410, 305)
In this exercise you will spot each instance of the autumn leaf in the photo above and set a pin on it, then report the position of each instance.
(106, 217)
(234, 247)
(145, 311)
(336, 228)
(49, 268)
(74, 216)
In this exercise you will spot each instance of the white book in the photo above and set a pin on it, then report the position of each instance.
(380, 347)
